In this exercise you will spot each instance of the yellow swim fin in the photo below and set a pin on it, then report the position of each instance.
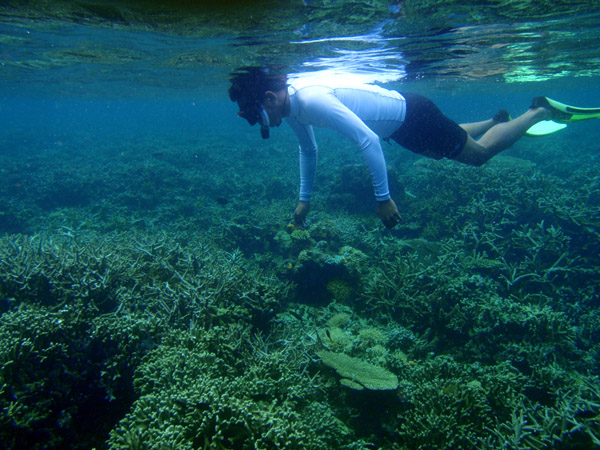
(565, 113)
(545, 127)
(561, 115)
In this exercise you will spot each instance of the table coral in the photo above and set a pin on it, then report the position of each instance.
(361, 372)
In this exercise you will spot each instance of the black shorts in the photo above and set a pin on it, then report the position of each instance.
(426, 130)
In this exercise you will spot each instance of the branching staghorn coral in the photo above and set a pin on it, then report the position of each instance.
(573, 421)
(112, 300)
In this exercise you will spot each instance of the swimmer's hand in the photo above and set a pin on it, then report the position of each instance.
(300, 214)
(388, 213)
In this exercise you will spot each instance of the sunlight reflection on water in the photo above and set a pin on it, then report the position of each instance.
(378, 62)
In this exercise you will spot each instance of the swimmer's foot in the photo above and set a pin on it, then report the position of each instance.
(553, 113)
(501, 116)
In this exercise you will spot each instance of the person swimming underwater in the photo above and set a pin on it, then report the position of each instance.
(366, 113)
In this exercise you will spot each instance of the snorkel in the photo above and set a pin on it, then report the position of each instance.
(264, 123)
(257, 114)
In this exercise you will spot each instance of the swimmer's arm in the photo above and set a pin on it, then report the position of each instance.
(308, 151)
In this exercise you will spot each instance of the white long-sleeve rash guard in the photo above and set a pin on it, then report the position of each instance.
(363, 113)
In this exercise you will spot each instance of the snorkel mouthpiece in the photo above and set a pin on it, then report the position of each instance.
(264, 132)
(264, 123)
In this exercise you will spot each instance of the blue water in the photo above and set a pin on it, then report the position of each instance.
(63, 80)
(50, 120)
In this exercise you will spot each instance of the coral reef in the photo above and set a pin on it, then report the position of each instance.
(66, 376)
(192, 398)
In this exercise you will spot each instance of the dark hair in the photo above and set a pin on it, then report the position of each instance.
(248, 87)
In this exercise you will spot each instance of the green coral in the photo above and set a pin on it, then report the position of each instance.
(293, 240)
(359, 372)
(65, 376)
(191, 398)
(340, 290)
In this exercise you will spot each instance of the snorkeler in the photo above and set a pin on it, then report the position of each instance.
(365, 113)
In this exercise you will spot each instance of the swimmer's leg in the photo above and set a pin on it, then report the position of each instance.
(499, 137)
(476, 129)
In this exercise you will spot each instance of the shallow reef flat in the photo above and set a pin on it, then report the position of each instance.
(162, 303)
